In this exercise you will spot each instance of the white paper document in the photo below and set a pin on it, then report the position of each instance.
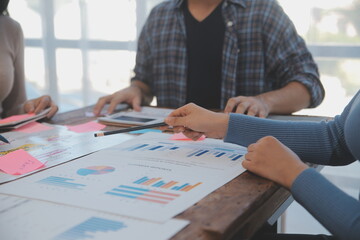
(148, 177)
(22, 218)
(56, 145)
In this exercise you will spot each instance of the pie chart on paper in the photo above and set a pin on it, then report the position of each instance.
(95, 170)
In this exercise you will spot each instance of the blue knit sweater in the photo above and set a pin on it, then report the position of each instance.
(333, 143)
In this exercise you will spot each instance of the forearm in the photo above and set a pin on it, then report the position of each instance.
(304, 138)
(334, 209)
(146, 92)
(291, 98)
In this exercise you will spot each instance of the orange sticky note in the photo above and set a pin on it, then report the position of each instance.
(87, 127)
(19, 162)
(33, 127)
(182, 137)
(16, 118)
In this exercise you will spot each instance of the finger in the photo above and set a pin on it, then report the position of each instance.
(252, 111)
(246, 163)
(164, 128)
(29, 106)
(263, 113)
(197, 136)
(178, 129)
(242, 107)
(113, 103)
(192, 135)
(44, 102)
(100, 105)
(231, 104)
(53, 109)
(181, 111)
(251, 147)
(136, 104)
(176, 121)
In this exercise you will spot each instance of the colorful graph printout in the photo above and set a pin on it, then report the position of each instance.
(173, 185)
(143, 194)
(62, 182)
(24, 218)
(95, 170)
(216, 152)
(92, 225)
(55, 146)
(142, 185)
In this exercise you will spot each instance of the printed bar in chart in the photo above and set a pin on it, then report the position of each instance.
(142, 194)
(216, 152)
(150, 181)
(91, 226)
(138, 147)
(164, 146)
(61, 182)
(157, 182)
(189, 152)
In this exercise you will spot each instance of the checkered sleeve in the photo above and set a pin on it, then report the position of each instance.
(143, 70)
(287, 56)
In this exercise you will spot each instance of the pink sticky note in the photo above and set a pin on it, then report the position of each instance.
(33, 127)
(19, 162)
(182, 137)
(87, 127)
(16, 118)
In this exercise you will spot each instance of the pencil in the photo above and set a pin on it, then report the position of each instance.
(3, 139)
(130, 129)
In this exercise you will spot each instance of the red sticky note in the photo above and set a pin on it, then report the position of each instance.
(182, 137)
(87, 127)
(16, 118)
(33, 127)
(19, 162)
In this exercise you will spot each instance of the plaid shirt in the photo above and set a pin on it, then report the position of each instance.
(262, 52)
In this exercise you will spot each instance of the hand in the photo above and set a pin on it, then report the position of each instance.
(194, 121)
(270, 159)
(131, 95)
(252, 106)
(38, 104)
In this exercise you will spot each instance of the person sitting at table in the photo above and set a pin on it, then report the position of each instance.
(12, 77)
(277, 150)
(237, 55)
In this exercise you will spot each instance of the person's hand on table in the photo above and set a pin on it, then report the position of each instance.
(252, 106)
(131, 95)
(38, 104)
(194, 121)
(271, 159)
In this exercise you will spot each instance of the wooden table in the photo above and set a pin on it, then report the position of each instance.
(234, 211)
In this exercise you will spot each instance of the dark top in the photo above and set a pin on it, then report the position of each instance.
(204, 42)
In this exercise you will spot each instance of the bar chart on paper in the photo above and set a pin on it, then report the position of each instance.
(89, 227)
(155, 190)
(150, 177)
(188, 151)
(23, 218)
(143, 194)
(159, 183)
(95, 170)
(62, 182)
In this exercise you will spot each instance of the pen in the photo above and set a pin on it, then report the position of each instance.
(130, 129)
(3, 139)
